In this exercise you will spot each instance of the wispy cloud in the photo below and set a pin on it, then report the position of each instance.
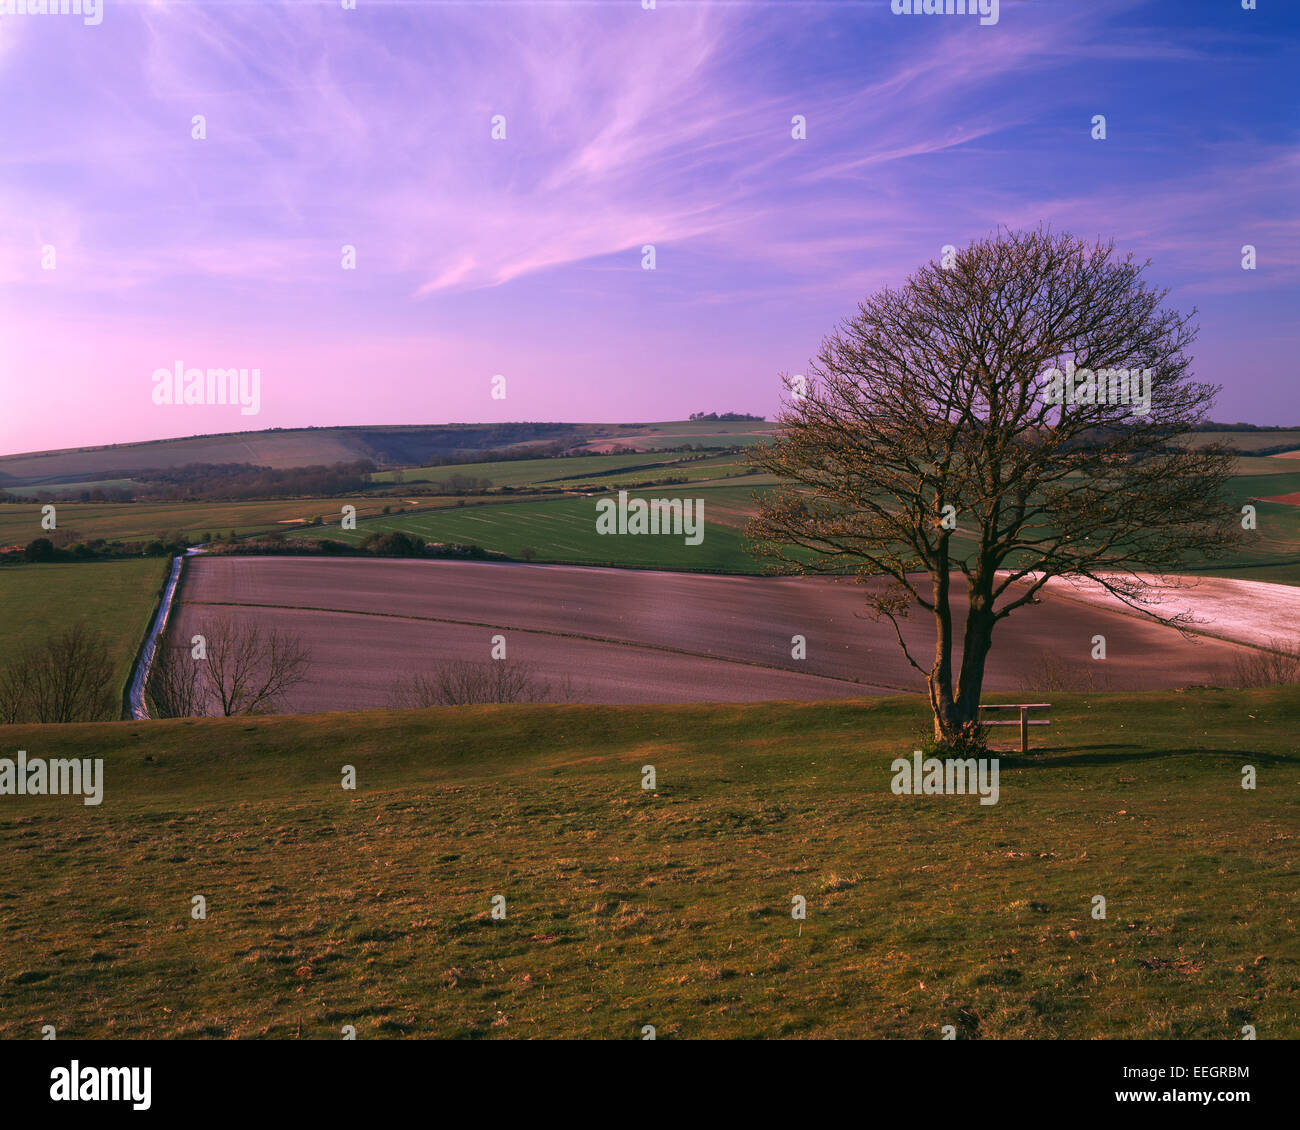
(624, 127)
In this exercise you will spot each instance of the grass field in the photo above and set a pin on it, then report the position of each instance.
(707, 433)
(1274, 543)
(570, 472)
(519, 472)
(117, 597)
(562, 530)
(624, 907)
(55, 490)
(720, 469)
(1247, 487)
(1274, 574)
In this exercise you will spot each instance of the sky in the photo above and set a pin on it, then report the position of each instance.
(522, 256)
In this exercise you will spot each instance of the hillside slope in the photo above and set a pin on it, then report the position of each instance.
(386, 445)
(671, 907)
(280, 447)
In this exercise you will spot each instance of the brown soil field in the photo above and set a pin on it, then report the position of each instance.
(623, 636)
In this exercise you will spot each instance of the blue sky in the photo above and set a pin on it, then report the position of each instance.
(624, 127)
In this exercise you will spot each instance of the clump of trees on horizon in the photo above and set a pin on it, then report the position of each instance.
(209, 481)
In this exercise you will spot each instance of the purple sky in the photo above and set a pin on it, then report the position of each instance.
(624, 127)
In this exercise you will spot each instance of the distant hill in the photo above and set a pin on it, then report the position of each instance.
(385, 445)
(280, 448)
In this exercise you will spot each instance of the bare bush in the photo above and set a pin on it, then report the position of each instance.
(1056, 673)
(69, 678)
(464, 683)
(1277, 667)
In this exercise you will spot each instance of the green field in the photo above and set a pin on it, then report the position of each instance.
(673, 908)
(117, 597)
(722, 468)
(1272, 574)
(1245, 487)
(569, 472)
(525, 472)
(1276, 541)
(709, 433)
(561, 530)
(55, 490)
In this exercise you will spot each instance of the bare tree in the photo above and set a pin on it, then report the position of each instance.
(69, 678)
(175, 684)
(242, 668)
(463, 682)
(249, 668)
(16, 691)
(927, 447)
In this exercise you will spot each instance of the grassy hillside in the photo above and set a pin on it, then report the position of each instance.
(117, 597)
(625, 907)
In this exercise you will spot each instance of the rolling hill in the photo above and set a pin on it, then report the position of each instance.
(386, 446)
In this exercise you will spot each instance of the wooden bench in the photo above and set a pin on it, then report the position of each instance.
(1024, 721)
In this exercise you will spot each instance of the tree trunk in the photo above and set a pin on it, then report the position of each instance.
(956, 715)
(940, 677)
